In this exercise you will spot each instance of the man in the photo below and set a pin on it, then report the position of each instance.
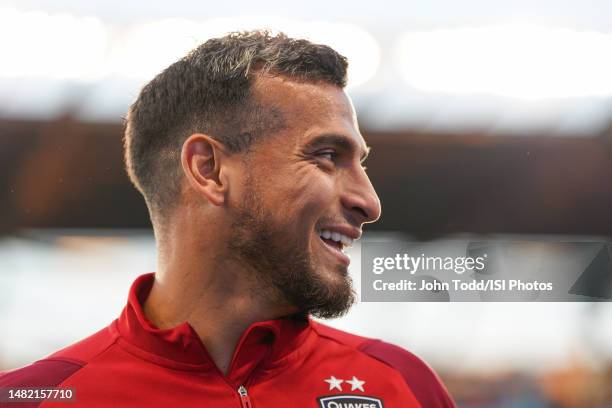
(248, 154)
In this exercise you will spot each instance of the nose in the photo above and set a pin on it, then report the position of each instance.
(359, 197)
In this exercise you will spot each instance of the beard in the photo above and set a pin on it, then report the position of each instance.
(283, 268)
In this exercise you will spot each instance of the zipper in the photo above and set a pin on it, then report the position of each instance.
(245, 401)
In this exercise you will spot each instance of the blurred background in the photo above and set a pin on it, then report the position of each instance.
(488, 120)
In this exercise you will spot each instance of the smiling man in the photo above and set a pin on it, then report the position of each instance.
(248, 154)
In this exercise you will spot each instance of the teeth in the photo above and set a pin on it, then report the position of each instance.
(336, 236)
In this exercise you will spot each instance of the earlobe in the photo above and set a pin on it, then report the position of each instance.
(202, 160)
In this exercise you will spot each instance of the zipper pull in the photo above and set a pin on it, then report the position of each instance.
(244, 397)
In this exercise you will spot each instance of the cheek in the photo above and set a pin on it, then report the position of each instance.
(309, 190)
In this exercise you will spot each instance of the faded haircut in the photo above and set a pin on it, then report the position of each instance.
(209, 91)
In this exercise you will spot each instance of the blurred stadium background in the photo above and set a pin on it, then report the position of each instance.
(486, 118)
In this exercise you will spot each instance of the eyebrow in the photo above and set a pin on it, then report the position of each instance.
(341, 142)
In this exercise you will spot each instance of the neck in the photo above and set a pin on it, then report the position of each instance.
(217, 298)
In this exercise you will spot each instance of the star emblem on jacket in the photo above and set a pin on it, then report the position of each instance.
(356, 384)
(336, 383)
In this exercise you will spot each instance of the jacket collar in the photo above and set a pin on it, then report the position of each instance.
(263, 344)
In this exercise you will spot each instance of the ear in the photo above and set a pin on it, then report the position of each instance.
(202, 159)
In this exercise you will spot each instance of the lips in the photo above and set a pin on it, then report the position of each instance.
(335, 240)
(333, 243)
(334, 249)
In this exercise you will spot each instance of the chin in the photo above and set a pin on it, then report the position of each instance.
(337, 273)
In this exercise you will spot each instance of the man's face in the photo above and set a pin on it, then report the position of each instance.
(305, 198)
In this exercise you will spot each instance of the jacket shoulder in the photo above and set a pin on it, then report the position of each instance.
(57, 367)
(348, 339)
(420, 378)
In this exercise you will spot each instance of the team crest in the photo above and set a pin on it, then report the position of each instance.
(349, 401)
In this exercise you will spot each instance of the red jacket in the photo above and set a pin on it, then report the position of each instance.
(288, 362)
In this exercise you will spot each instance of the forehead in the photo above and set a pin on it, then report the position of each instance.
(310, 110)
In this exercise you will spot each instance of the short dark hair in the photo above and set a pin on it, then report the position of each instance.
(209, 91)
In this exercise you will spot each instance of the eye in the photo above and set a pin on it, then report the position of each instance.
(328, 154)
